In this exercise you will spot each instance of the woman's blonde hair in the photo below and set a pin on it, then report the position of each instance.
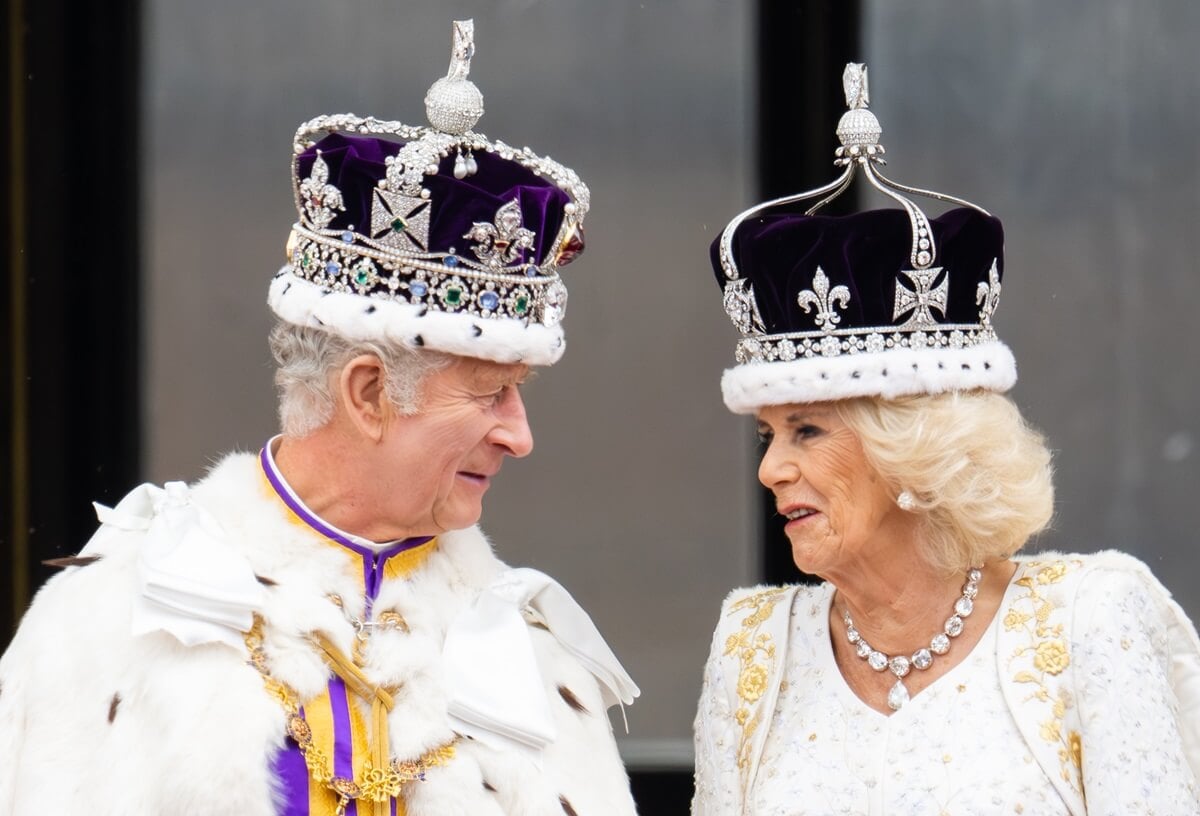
(981, 477)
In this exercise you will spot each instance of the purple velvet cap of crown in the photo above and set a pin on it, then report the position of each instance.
(865, 252)
(853, 340)
(357, 163)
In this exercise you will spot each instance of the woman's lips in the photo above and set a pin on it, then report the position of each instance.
(797, 515)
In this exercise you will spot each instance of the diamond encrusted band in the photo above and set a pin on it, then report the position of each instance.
(798, 345)
(445, 282)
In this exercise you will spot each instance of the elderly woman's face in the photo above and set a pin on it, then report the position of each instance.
(837, 505)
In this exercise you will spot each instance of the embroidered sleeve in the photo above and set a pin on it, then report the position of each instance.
(717, 741)
(1036, 659)
(738, 679)
(1133, 748)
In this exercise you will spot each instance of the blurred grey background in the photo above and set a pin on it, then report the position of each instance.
(1076, 122)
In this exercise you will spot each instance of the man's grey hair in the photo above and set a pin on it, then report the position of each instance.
(308, 357)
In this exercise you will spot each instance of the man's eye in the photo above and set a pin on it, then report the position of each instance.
(496, 397)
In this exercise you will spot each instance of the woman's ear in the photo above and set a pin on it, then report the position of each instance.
(363, 395)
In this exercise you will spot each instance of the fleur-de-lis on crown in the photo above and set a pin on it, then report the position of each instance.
(741, 307)
(405, 171)
(987, 295)
(503, 242)
(922, 297)
(825, 300)
(319, 196)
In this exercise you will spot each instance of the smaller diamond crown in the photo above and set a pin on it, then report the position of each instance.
(883, 302)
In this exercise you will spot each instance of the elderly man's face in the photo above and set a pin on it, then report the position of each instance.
(440, 462)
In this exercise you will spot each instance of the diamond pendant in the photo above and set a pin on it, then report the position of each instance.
(898, 696)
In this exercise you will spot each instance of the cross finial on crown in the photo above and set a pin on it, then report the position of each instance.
(462, 50)
(858, 128)
(453, 103)
(854, 83)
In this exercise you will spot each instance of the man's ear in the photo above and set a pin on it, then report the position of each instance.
(364, 397)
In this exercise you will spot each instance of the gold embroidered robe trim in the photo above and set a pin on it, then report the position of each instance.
(1033, 651)
(756, 646)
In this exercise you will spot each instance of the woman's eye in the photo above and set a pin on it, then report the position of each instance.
(807, 431)
(764, 437)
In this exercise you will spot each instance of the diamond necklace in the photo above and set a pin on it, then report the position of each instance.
(922, 658)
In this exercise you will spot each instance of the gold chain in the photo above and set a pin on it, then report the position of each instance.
(374, 784)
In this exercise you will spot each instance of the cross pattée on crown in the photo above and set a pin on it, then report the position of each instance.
(922, 297)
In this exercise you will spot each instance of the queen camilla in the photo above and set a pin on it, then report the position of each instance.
(934, 670)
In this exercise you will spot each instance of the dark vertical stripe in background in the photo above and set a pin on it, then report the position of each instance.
(802, 49)
(14, 542)
(71, 402)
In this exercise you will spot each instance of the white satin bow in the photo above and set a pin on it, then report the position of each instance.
(496, 692)
(191, 583)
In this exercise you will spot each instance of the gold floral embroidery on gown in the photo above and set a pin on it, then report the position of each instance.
(755, 651)
(1043, 657)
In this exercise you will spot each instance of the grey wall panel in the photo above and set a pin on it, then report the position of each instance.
(638, 495)
(1076, 123)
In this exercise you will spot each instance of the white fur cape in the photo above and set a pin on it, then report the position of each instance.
(95, 720)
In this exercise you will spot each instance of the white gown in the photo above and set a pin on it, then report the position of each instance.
(1083, 697)
(953, 749)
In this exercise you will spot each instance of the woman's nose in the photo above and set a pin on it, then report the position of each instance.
(777, 468)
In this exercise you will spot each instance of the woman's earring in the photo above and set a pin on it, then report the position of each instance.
(906, 501)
